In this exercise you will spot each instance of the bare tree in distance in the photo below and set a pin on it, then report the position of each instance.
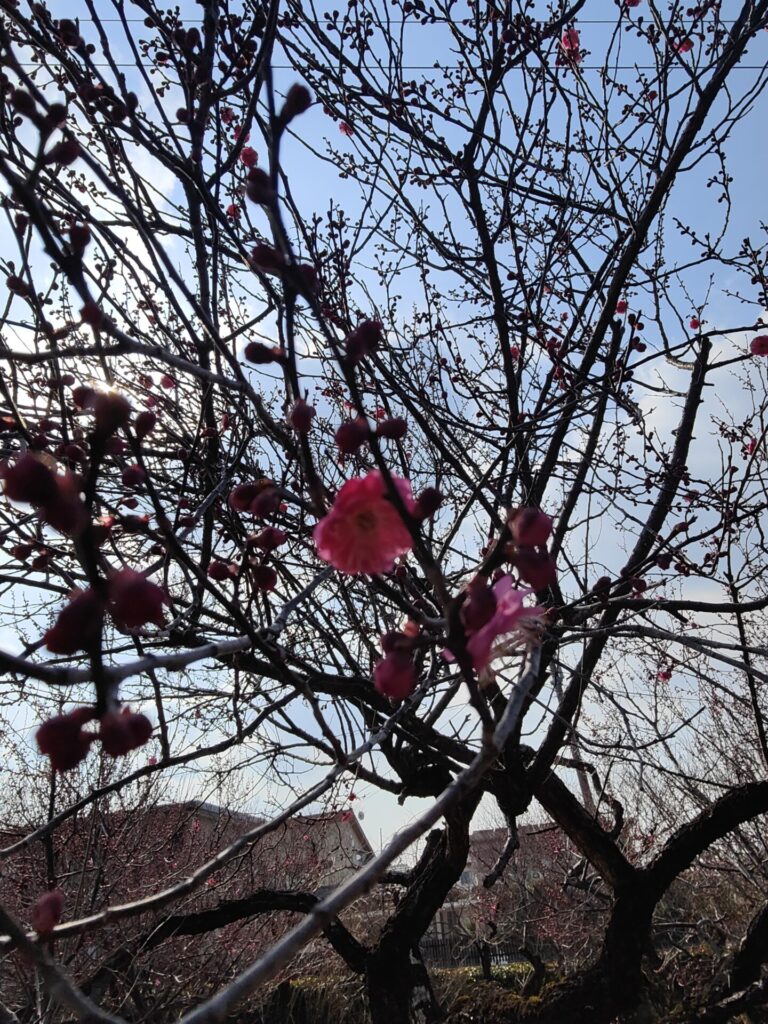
(451, 486)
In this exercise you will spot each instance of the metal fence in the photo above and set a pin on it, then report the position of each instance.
(451, 952)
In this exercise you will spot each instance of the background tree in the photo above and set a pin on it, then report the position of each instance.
(512, 351)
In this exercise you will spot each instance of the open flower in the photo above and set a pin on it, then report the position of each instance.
(511, 621)
(363, 532)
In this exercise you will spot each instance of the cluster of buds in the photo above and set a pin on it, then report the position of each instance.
(260, 498)
(132, 600)
(64, 740)
(270, 260)
(530, 529)
(353, 434)
(570, 48)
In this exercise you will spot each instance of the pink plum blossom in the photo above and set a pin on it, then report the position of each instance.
(511, 619)
(363, 532)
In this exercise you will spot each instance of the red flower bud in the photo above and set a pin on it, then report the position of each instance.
(602, 586)
(82, 396)
(298, 99)
(394, 676)
(268, 539)
(56, 115)
(259, 497)
(123, 732)
(46, 912)
(759, 346)
(23, 102)
(110, 412)
(350, 435)
(394, 428)
(64, 152)
(307, 275)
(30, 480)
(63, 741)
(168, 382)
(134, 601)
(396, 640)
(622, 306)
(218, 570)
(301, 416)
(530, 528)
(78, 625)
(267, 258)
(266, 502)
(115, 446)
(133, 476)
(264, 577)
(255, 352)
(241, 496)
(364, 340)
(17, 285)
(258, 187)
(428, 502)
(144, 424)
(72, 452)
(480, 604)
(535, 567)
(92, 315)
(249, 156)
(79, 237)
(66, 511)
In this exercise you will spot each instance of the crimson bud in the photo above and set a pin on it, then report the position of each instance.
(530, 527)
(46, 912)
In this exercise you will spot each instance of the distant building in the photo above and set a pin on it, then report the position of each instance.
(520, 907)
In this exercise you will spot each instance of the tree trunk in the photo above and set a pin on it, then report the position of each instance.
(399, 990)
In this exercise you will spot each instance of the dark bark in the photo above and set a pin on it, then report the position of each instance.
(752, 952)
(263, 902)
(398, 985)
(734, 808)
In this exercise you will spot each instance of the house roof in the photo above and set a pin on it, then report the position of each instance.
(248, 821)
